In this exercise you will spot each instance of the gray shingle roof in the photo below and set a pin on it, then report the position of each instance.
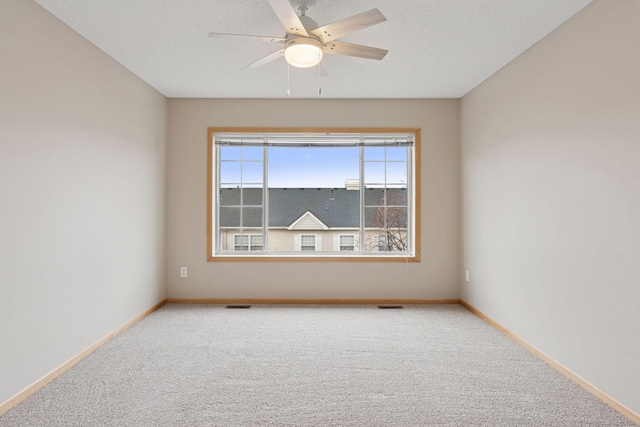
(334, 207)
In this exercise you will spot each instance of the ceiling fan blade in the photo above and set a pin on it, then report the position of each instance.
(247, 36)
(288, 17)
(358, 50)
(349, 25)
(269, 58)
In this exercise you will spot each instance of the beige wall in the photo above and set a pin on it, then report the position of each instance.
(434, 277)
(82, 161)
(551, 196)
(550, 199)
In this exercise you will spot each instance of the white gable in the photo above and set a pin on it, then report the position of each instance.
(307, 221)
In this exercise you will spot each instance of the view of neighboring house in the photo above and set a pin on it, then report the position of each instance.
(313, 219)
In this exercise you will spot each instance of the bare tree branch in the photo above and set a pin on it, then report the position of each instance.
(390, 219)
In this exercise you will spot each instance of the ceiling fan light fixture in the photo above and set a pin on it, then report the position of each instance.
(303, 52)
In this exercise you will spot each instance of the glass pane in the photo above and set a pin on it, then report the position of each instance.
(382, 243)
(340, 209)
(396, 218)
(374, 196)
(229, 153)
(229, 196)
(388, 232)
(386, 241)
(252, 173)
(252, 153)
(374, 153)
(252, 196)
(226, 239)
(347, 243)
(252, 217)
(374, 241)
(229, 217)
(397, 153)
(394, 241)
(397, 173)
(374, 174)
(386, 218)
(313, 167)
(257, 240)
(347, 240)
(229, 173)
(249, 241)
(308, 240)
(374, 217)
(396, 196)
(281, 240)
(241, 242)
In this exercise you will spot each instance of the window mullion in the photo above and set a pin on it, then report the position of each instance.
(385, 211)
(241, 194)
(265, 198)
(362, 210)
(216, 234)
(410, 200)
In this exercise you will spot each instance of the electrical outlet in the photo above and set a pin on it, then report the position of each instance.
(466, 276)
(183, 271)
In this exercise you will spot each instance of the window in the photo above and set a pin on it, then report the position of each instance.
(247, 242)
(307, 242)
(347, 242)
(274, 194)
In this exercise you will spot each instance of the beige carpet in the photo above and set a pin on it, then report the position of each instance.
(203, 365)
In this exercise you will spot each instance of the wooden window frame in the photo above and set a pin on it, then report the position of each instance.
(415, 257)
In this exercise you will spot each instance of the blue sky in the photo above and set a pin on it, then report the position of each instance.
(306, 167)
(313, 167)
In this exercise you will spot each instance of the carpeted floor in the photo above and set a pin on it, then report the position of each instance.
(204, 365)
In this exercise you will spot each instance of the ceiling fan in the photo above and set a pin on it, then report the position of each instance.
(305, 42)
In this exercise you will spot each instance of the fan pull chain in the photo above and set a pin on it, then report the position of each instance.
(288, 81)
(319, 88)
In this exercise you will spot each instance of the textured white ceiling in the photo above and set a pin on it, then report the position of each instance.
(437, 48)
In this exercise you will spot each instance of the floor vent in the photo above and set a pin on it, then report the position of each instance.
(238, 306)
(390, 306)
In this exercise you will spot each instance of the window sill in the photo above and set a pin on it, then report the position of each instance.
(314, 258)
